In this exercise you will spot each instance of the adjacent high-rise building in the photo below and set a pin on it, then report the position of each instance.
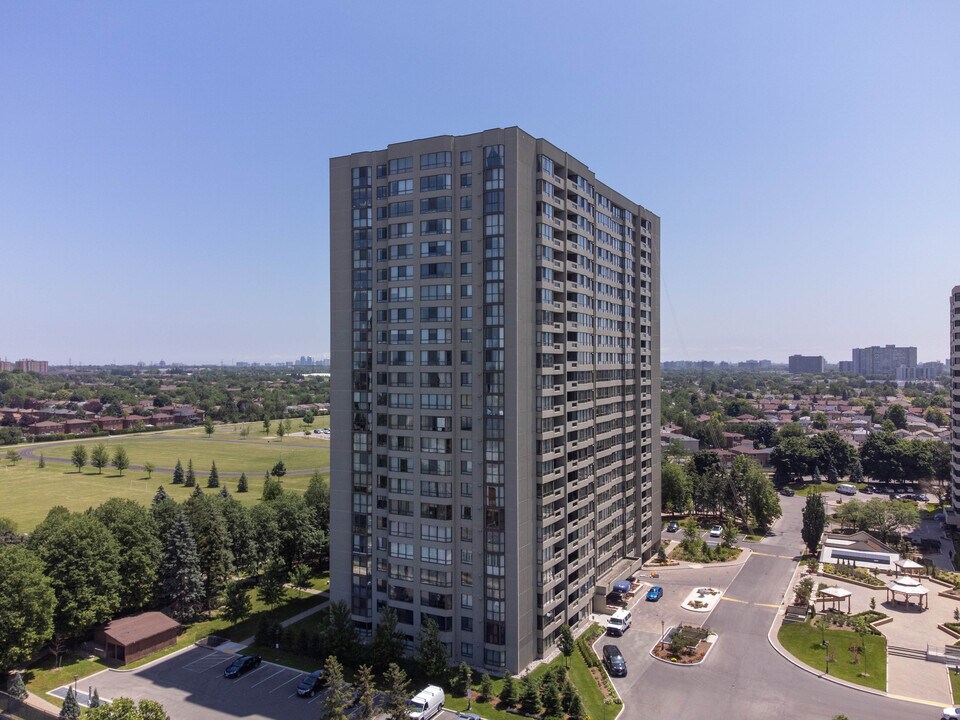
(495, 390)
(955, 382)
(801, 364)
(876, 361)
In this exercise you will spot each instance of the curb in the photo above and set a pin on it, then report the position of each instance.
(693, 664)
(775, 644)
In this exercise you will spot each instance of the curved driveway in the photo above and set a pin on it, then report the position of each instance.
(744, 677)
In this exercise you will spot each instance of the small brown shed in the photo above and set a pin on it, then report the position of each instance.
(131, 638)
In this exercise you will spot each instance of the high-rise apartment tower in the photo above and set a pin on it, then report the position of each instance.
(955, 381)
(495, 390)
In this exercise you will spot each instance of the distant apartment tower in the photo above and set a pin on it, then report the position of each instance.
(845, 367)
(34, 366)
(6, 366)
(495, 390)
(955, 380)
(879, 361)
(800, 364)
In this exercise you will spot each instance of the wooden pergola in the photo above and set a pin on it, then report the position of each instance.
(835, 596)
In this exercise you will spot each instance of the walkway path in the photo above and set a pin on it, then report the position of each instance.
(234, 647)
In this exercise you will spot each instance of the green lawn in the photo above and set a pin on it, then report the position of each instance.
(29, 491)
(43, 676)
(955, 686)
(804, 643)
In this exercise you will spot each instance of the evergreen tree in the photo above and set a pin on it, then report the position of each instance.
(180, 571)
(197, 492)
(160, 495)
(242, 485)
(340, 634)
(95, 699)
(224, 493)
(178, 473)
(236, 603)
(816, 477)
(71, 708)
(272, 488)
(431, 652)
(388, 642)
(464, 679)
(213, 543)
(486, 688)
(550, 694)
(16, 687)
(856, 472)
(509, 695)
(832, 476)
(529, 696)
(266, 424)
(366, 693)
(575, 709)
(337, 698)
(191, 478)
(279, 470)
(814, 521)
(397, 693)
(213, 480)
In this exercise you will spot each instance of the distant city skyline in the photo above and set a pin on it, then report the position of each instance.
(164, 189)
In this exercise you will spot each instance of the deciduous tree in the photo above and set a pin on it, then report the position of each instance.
(78, 456)
(26, 605)
(121, 461)
(99, 457)
(236, 602)
(134, 529)
(814, 521)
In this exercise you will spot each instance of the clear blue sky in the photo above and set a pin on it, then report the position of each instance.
(163, 166)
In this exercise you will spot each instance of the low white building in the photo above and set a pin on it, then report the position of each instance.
(860, 549)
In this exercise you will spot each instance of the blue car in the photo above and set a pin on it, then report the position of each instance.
(654, 593)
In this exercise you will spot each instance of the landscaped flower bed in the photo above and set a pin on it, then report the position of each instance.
(684, 645)
(853, 573)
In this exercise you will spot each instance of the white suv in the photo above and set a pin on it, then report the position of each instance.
(619, 622)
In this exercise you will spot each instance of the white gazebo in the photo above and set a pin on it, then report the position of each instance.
(910, 588)
(908, 567)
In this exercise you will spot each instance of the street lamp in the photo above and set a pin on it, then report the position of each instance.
(662, 633)
(826, 644)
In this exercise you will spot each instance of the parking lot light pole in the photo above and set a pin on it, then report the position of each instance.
(662, 633)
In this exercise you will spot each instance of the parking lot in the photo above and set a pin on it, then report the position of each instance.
(191, 685)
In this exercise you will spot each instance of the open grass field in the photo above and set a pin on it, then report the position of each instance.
(804, 643)
(30, 491)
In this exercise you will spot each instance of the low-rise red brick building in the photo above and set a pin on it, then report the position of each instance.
(131, 638)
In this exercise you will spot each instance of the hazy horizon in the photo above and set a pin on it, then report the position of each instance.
(163, 175)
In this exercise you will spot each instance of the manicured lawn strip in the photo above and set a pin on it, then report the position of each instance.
(803, 642)
(955, 686)
(293, 606)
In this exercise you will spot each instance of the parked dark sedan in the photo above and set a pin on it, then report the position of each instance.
(241, 665)
(673, 527)
(613, 659)
(787, 492)
(310, 684)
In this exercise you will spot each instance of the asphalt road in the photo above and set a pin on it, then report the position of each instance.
(743, 677)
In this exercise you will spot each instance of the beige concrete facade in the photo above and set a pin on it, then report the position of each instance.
(495, 390)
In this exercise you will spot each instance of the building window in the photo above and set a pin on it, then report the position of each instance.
(466, 180)
(466, 224)
(430, 183)
(401, 165)
(429, 161)
(466, 157)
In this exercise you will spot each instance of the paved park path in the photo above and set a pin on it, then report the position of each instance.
(234, 647)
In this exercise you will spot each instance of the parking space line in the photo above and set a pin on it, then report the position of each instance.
(217, 664)
(286, 682)
(249, 675)
(268, 677)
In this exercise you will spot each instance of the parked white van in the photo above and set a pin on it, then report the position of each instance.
(426, 703)
(619, 622)
(847, 489)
